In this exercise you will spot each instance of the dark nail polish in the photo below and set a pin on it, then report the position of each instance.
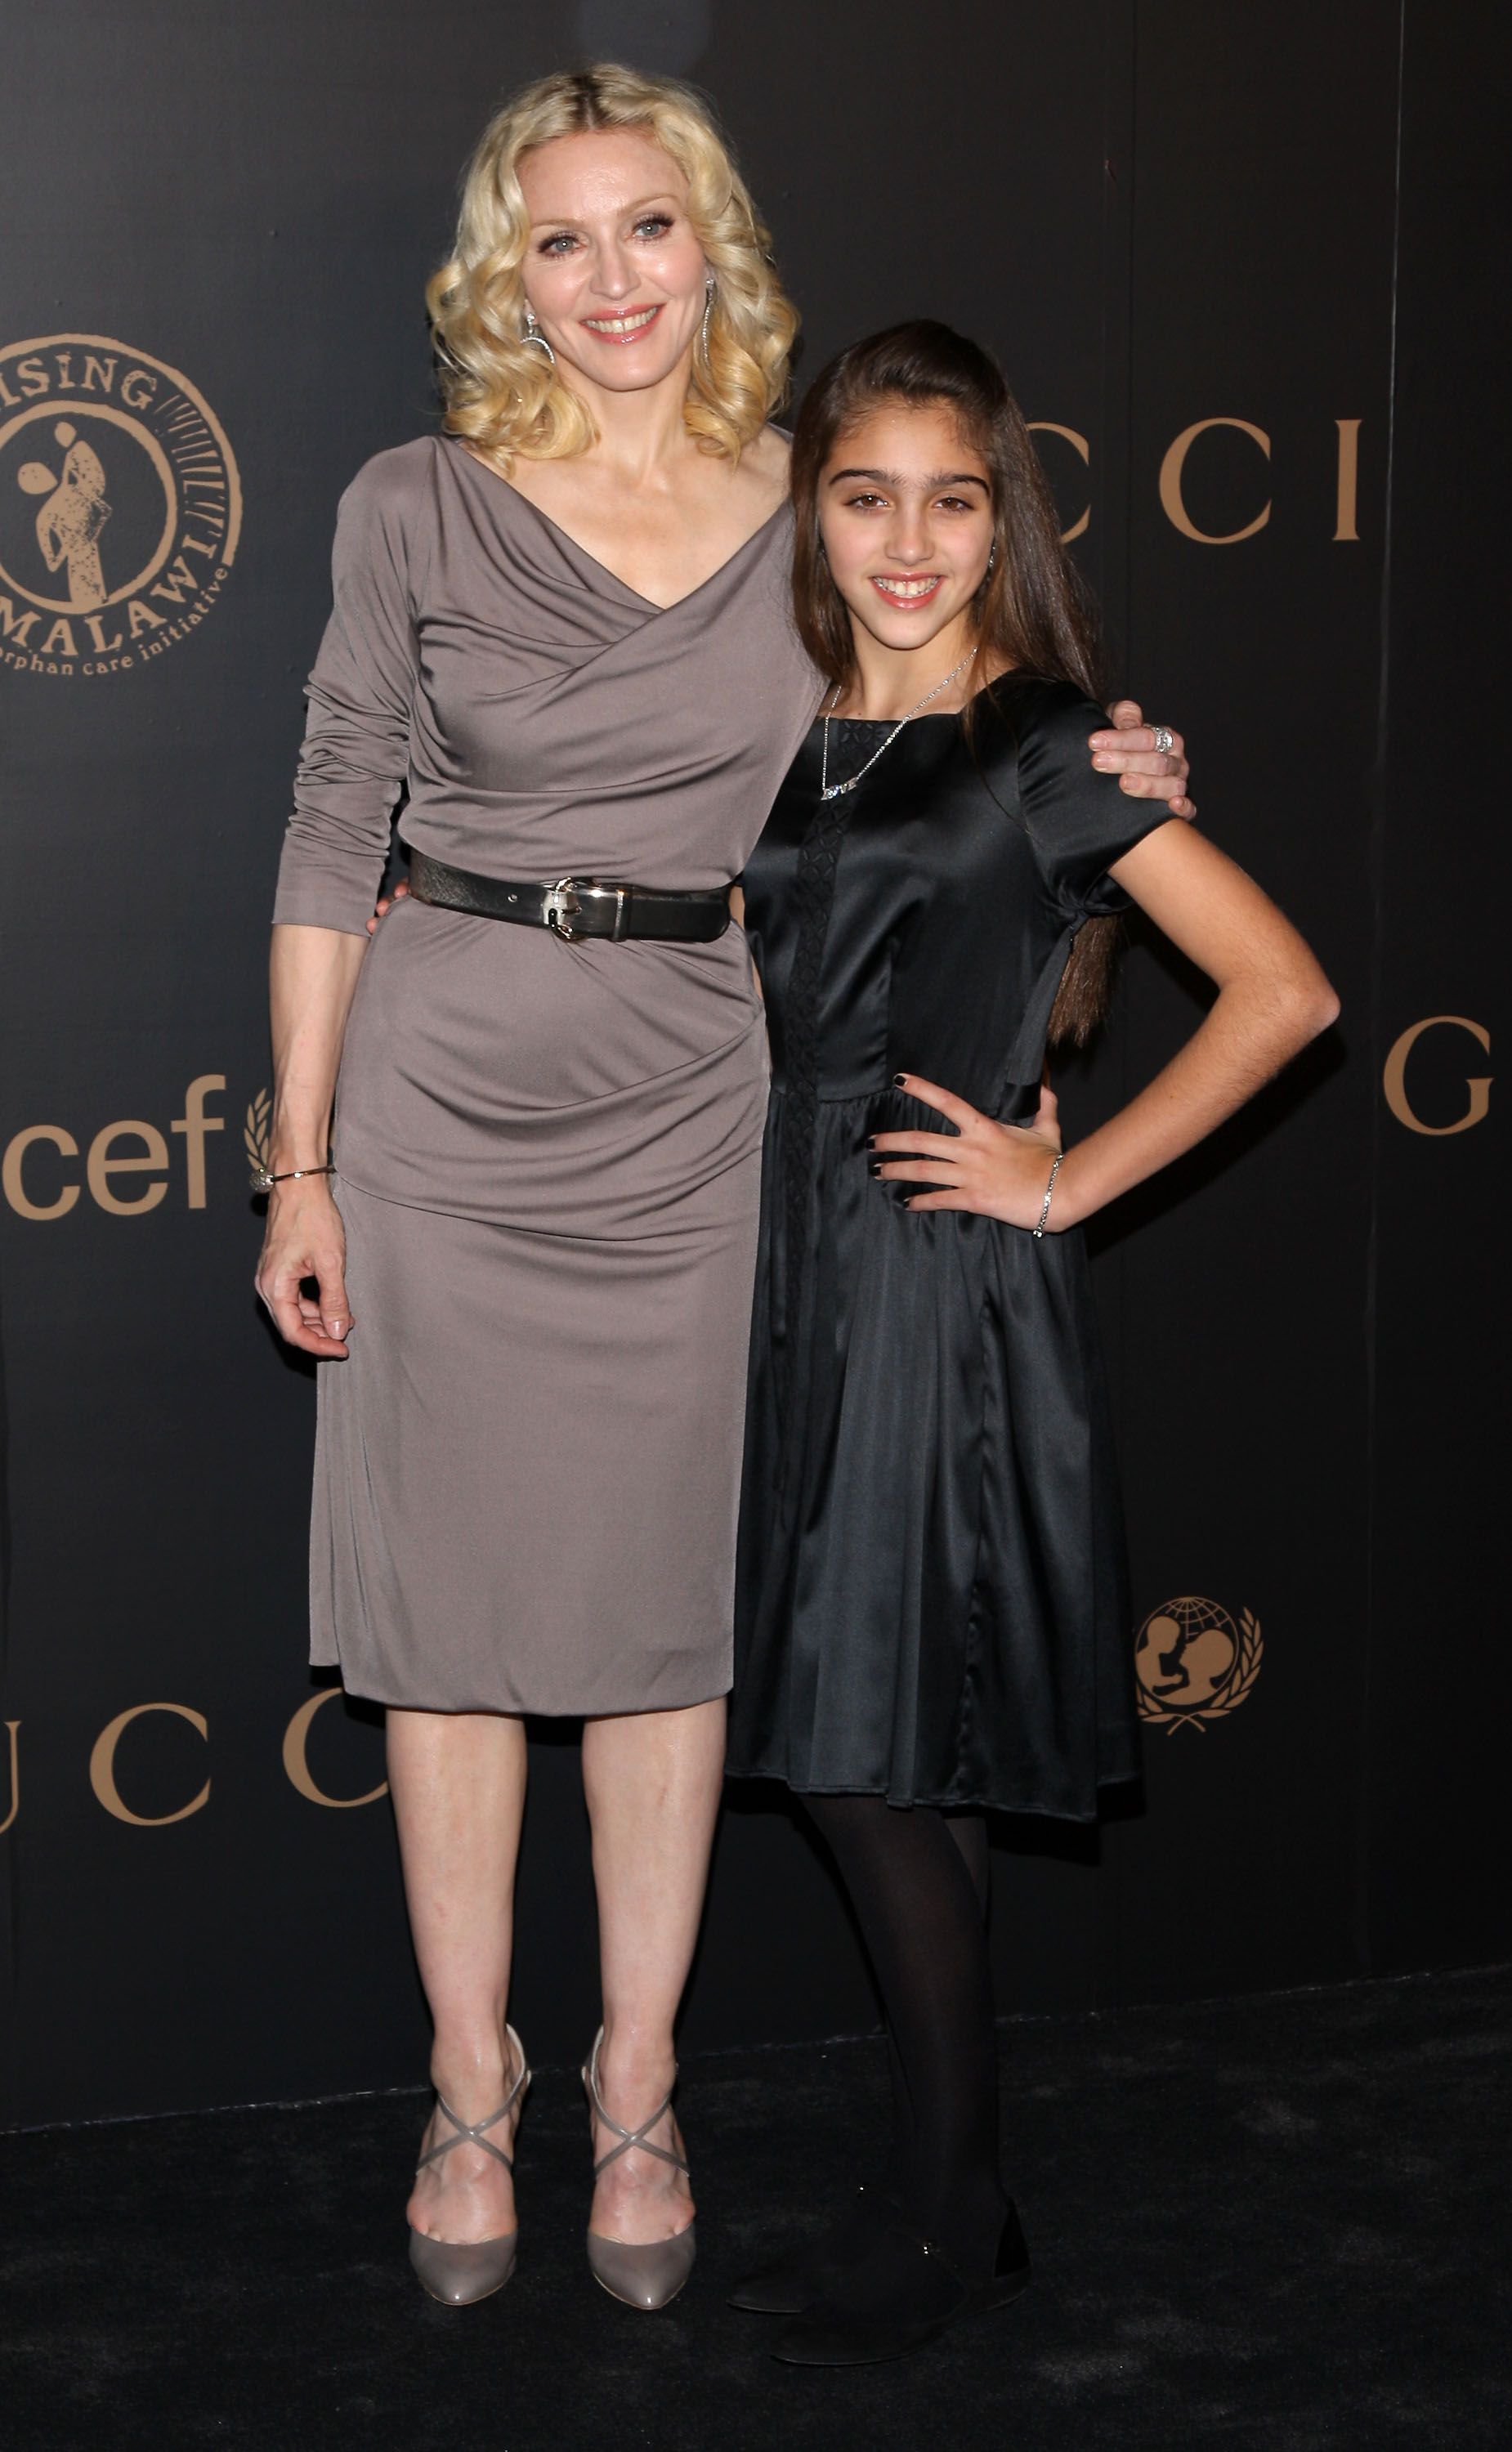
(876, 1167)
(898, 1081)
(871, 1141)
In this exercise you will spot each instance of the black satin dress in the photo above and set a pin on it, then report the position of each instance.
(931, 1594)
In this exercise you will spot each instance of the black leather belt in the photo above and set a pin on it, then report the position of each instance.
(575, 907)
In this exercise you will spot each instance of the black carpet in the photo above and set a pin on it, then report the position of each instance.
(1279, 2224)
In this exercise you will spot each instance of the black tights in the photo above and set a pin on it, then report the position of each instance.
(918, 1880)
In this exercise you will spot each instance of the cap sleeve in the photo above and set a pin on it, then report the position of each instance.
(356, 752)
(1079, 820)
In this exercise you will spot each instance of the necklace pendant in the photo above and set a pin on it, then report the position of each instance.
(833, 791)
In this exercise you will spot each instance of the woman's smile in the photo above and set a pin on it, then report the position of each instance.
(627, 324)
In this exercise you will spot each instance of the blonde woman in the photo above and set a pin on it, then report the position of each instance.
(563, 623)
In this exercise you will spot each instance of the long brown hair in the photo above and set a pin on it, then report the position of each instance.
(1032, 610)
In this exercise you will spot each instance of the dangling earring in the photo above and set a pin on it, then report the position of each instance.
(708, 310)
(533, 337)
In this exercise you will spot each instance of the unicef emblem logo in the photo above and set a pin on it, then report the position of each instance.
(1194, 1662)
(120, 507)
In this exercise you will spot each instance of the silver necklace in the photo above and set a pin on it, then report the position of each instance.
(829, 791)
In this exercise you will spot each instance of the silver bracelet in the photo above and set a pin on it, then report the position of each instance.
(262, 1181)
(1038, 1230)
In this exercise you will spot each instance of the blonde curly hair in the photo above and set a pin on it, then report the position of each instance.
(501, 393)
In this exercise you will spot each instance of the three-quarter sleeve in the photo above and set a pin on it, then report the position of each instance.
(1079, 820)
(356, 752)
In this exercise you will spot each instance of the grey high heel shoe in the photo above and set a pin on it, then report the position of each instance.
(648, 2275)
(459, 2272)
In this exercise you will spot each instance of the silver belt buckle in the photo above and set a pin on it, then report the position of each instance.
(564, 902)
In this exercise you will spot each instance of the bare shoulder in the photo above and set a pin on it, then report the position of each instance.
(766, 463)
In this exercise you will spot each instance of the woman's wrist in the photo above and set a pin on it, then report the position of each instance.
(299, 1153)
(300, 1137)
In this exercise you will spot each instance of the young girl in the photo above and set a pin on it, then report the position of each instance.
(932, 1611)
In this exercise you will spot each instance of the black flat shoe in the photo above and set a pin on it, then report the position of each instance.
(811, 2271)
(905, 2293)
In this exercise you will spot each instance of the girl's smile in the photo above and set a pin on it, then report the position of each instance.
(909, 593)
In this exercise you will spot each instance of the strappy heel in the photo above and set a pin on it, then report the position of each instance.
(459, 2272)
(646, 2275)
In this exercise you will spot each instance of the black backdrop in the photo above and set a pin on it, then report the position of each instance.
(1242, 266)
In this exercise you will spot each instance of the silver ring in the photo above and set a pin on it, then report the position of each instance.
(1164, 739)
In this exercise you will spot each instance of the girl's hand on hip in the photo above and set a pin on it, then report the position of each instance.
(305, 1239)
(996, 1170)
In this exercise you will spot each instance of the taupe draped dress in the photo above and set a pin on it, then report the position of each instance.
(548, 1155)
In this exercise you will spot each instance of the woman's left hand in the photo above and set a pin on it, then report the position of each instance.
(1144, 771)
(996, 1170)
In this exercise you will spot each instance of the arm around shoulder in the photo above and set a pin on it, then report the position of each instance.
(1078, 819)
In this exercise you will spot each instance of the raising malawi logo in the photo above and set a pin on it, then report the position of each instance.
(120, 506)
